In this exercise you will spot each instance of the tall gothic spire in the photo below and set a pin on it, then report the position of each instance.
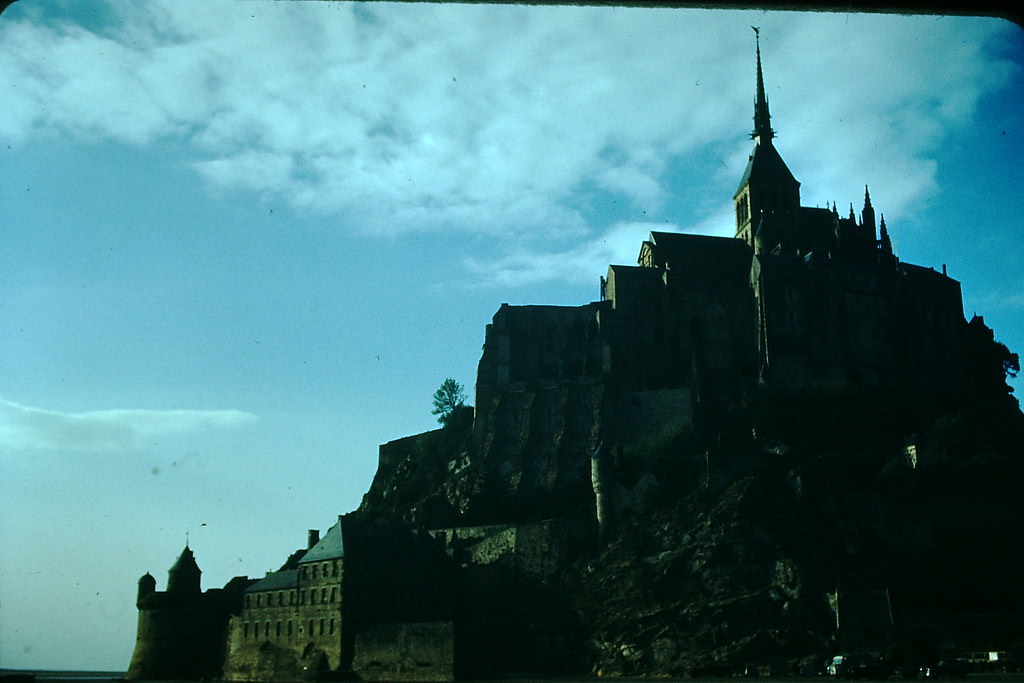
(762, 118)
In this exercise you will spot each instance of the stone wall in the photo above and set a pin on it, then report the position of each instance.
(405, 652)
(537, 550)
(183, 642)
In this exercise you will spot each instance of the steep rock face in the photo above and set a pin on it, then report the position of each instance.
(531, 462)
(534, 460)
(724, 546)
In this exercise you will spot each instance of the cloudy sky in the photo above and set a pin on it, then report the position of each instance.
(241, 244)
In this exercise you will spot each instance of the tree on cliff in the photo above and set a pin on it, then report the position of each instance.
(447, 399)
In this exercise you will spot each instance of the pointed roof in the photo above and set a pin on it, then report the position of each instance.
(884, 240)
(184, 575)
(330, 547)
(766, 167)
(186, 562)
(762, 117)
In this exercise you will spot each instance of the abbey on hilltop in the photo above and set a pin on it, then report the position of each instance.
(595, 512)
(801, 297)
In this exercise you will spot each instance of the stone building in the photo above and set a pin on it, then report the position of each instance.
(801, 299)
(290, 623)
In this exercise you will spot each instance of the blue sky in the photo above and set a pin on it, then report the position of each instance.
(243, 243)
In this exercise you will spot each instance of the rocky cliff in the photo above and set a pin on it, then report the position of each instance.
(733, 534)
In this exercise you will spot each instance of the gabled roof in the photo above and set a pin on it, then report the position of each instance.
(287, 578)
(330, 547)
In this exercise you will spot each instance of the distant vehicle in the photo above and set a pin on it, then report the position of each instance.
(859, 665)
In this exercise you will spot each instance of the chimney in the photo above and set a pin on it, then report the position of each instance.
(314, 537)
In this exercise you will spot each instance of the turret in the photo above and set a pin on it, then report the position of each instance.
(183, 577)
(147, 586)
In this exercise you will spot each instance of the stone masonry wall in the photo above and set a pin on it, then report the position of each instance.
(406, 652)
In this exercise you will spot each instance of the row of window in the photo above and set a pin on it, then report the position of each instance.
(278, 599)
(258, 630)
(325, 569)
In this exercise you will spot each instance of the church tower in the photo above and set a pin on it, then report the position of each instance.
(768, 197)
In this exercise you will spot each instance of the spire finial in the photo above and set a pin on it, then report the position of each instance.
(762, 118)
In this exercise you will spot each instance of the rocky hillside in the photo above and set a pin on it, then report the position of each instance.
(731, 543)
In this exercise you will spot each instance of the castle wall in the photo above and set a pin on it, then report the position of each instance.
(640, 416)
(530, 344)
(841, 323)
(184, 641)
(406, 652)
(537, 550)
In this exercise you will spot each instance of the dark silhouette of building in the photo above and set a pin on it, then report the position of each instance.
(800, 300)
(182, 631)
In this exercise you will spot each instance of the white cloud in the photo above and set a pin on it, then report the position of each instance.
(582, 263)
(1002, 300)
(485, 119)
(28, 428)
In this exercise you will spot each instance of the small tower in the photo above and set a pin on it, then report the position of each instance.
(147, 586)
(183, 577)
